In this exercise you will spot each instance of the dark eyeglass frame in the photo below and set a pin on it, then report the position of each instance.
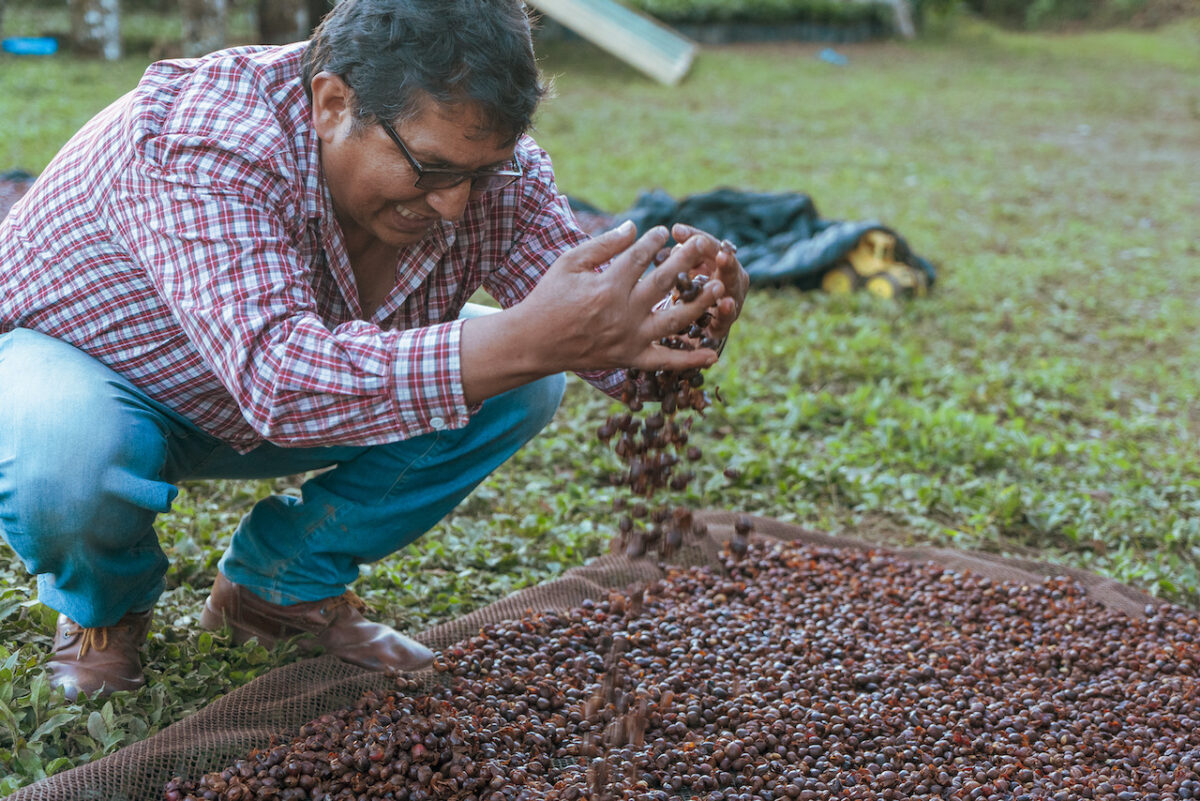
(436, 178)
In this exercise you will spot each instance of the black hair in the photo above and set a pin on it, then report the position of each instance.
(395, 53)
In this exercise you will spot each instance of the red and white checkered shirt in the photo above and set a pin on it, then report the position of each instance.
(185, 238)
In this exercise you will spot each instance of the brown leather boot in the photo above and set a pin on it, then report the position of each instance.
(336, 624)
(99, 661)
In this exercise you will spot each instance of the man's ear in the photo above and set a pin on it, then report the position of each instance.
(332, 105)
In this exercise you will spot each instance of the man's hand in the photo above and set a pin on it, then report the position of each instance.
(608, 319)
(726, 268)
(578, 319)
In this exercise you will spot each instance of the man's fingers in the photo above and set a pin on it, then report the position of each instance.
(724, 315)
(632, 264)
(682, 259)
(683, 232)
(658, 357)
(725, 257)
(677, 317)
(601, 248)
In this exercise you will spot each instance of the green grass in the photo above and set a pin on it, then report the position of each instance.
(1041, 401)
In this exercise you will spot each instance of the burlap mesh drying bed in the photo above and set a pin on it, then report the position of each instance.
(278, 703)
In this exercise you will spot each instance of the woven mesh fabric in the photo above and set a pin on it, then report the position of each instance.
(278, 703)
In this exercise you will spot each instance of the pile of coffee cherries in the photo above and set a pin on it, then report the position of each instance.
(651, 438)
(796, 673)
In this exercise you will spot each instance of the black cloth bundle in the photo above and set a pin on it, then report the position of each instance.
(781, 238)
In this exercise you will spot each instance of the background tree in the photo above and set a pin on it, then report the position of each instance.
(96, 28)
(282, 21)
(205, 26)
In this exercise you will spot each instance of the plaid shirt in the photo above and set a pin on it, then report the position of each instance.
(185, 238)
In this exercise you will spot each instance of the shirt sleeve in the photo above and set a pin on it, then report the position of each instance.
(219, 248)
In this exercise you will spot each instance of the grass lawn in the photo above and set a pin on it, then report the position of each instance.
(1040, 402)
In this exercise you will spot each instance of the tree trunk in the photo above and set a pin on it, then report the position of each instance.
(205, 26)
(96, 28)
(902, 15)
(283, 21)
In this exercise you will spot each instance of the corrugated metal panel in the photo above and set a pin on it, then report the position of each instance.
(640, 40)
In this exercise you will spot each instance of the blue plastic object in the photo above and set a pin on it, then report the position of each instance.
(831, 56)
(30, 45)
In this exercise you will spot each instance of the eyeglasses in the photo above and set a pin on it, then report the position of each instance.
(433, 178)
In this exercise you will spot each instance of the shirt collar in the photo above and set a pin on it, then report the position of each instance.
(414, 264)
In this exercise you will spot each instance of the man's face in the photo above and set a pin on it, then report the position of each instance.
(372, 183)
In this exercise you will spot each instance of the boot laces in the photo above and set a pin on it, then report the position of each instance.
(348, 598)
(94, 638)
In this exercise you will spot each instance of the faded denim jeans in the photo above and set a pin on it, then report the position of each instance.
(87, 462)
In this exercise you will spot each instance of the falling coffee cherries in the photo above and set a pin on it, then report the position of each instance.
(651, 438)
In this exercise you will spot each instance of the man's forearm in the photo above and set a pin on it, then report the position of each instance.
(497, 355)
(579, 319)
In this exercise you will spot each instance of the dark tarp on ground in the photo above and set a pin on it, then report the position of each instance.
(780, 237)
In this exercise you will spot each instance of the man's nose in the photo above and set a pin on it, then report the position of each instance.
(450, 202)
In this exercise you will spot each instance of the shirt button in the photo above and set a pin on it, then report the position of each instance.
(437, 423)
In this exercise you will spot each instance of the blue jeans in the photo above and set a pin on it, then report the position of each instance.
(87, 462)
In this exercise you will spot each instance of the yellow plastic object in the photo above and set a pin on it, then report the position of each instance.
(918, 280)
(884, 285)
(874, 260)
(840, 280)
(873, 254)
